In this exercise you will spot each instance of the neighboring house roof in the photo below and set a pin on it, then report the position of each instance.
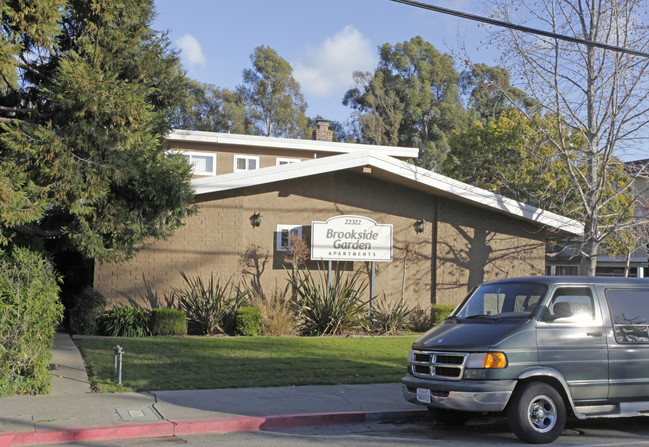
(389, 169)
(195, 136)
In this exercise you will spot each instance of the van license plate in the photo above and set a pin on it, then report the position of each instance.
(423, 395)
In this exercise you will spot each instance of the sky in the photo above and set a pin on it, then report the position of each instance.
(324, 41)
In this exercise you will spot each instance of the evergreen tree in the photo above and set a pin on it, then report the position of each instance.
(87, 90)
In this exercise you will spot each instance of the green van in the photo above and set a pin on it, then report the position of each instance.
(537, 348)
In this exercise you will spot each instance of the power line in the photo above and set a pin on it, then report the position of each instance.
(525, 29)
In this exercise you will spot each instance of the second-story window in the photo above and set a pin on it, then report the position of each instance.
(201, 163)
(245, 163)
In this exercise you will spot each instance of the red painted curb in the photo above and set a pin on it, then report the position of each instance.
(59, 436)
(176, 428)
(302, 420)
(123, 431)
(236, 424)
(8, 439)
(221, 425)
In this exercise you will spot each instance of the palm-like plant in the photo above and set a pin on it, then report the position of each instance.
(209, 306)
(329, 307)
(391, 317)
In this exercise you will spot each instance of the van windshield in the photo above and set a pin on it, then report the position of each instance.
(501, 300)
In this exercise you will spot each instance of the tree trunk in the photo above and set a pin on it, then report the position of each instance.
(589, 258)
(627, 265)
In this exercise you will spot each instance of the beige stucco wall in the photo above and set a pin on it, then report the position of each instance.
(474, 245)
(226, 152)
(467, 244)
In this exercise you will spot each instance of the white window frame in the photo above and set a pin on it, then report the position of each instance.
(286, 229)
(247, 158)
(190, 154)
(286, 161)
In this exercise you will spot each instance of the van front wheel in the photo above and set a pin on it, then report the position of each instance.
(537, 413)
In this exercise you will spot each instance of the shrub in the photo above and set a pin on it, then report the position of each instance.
(30, 309)
(125, 321)
(89, 304)
(390, 318)
(165, 321)
(211, 307)
(439, 312)
(329, 309)
(276, 315)
(248, 320)
(419, 320)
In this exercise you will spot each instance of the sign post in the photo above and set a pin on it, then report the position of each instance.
(372, 288)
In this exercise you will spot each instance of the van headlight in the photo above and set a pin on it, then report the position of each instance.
(487, 360)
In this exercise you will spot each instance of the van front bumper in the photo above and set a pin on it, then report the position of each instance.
(463, 395)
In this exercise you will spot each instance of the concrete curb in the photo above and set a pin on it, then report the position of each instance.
(199, 426)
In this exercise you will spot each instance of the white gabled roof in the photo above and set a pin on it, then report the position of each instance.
(390, 169)
(195, 136)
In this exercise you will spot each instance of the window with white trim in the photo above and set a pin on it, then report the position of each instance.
(286, 161)
(284, 232)
(245, 163)
(201, 163)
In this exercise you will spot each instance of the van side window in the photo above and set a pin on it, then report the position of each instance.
(629, 310)
(571, 304)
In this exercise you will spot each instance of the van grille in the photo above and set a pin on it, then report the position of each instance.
(438, 365)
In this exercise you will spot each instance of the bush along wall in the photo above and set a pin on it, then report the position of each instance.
(30, 310)
(248, 320)
(125, 321)
(439, 312)
(89, 305)
(166, 321)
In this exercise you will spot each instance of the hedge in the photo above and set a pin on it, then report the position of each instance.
(30, 310)
(166, 321)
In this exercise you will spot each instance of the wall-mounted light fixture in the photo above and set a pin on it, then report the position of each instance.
(256, 218)
(420, 225)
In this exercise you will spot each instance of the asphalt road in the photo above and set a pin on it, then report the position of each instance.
(628, 432)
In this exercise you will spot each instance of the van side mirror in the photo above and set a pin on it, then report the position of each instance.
(562, 309)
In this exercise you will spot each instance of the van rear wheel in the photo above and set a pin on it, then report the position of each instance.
(537, 413)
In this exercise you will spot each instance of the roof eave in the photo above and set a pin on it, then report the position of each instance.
(287, 143)
(418, 177)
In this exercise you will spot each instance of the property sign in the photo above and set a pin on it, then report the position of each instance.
(351, 238)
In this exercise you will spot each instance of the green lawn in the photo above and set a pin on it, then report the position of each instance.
(174, 363)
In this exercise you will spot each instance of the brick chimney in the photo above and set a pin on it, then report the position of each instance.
(322, 131)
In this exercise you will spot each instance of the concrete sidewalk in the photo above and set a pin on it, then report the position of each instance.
(72, 414)
(69, 375)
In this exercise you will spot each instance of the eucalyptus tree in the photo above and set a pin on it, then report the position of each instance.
(412, 98)
(598, 93)
(379, 113)
(489, 92)
(273, 98)
(212, 109)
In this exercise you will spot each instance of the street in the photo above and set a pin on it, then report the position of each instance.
(484, 432)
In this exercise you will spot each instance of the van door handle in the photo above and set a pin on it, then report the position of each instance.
(594, 334)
